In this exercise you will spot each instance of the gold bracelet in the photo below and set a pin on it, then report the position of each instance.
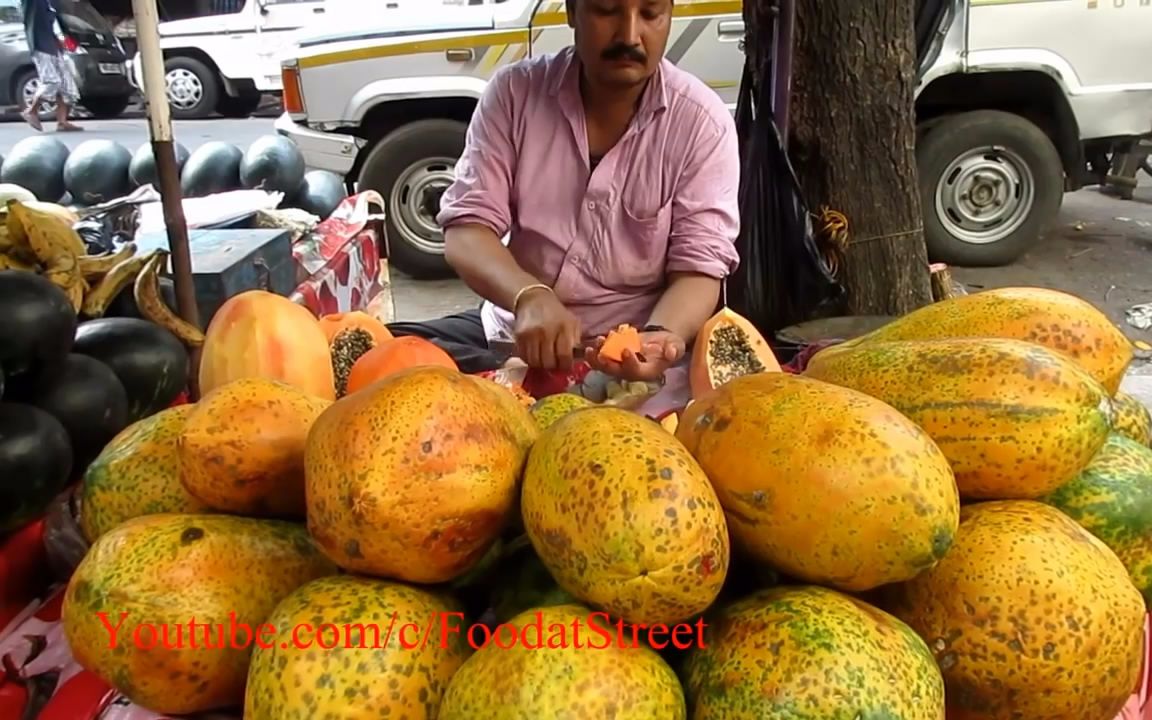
(526, 288)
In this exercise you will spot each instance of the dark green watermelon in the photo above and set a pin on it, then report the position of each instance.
(37, 163)
(97, 171)
(142, 169)
(150, 362)
(124, 304)
(38, 322)
(214, 167)
(35, 463)
(87, 398)
(273, 163)
(320, 193)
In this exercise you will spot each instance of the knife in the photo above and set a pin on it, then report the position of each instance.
(507, 349)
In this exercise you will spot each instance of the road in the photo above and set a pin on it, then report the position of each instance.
(1100, 248)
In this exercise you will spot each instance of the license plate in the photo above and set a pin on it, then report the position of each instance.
(112, 68)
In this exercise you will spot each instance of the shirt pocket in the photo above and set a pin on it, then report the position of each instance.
(633, 252)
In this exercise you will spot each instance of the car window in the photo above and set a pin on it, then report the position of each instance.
(79, 16)
(10, 11)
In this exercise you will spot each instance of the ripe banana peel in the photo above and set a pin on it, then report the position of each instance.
(152, 306)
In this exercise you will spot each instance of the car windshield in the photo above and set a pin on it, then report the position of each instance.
(10, 12)
(79, 16)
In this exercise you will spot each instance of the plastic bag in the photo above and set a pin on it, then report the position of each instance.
(782, 277)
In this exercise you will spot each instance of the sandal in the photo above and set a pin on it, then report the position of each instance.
(68, 127)
(32, 119)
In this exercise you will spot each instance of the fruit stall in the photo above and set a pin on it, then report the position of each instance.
(947, 517)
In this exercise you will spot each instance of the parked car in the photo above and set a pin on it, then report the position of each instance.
(89, 40)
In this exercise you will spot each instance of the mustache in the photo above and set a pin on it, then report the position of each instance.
(624, 52)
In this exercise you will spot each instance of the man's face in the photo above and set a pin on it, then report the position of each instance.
(620, 42)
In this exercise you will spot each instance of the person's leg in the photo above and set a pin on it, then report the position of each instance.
(460, 335)
(31, 114)
(69, 94)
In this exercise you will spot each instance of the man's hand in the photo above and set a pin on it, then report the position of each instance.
(546, 332)
(661, 350)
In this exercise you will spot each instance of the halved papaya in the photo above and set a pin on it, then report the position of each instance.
(727, 347)
(624, 337)
(335, 323)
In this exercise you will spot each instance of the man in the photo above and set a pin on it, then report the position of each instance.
(615, 174)
(52, 66)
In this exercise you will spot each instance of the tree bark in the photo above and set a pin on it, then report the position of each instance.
(853, 139)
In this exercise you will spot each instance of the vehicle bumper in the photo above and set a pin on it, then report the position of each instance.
(102, 75)
(321, 150)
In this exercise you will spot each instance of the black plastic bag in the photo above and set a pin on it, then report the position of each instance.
(782, 279)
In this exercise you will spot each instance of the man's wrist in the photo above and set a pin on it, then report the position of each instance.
(528, 291)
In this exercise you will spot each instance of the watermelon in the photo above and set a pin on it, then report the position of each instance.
(37, 163)
(142, 169)
(35, 463)
(320, 193)
(1112, 499)
(97, 171)
(273, 163)
(39, 322)
(149, 361)
(214, 167)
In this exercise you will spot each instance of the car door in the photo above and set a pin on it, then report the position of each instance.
(706, 40)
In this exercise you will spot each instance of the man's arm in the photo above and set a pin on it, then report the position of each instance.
(476, 210)
(705, 223)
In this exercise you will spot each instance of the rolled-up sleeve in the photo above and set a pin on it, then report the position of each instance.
(481, 191)
(705, 207)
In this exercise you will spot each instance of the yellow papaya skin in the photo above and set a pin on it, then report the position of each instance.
(151, 576)
(1015, 419)
(1133, 420)
(1054, 319)
(138, 473)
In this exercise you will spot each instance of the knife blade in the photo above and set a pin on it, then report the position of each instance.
(507, 348)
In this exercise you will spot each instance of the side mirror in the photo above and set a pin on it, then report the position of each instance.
(263, 6)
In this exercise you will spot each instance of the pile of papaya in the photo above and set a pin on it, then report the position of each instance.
(949, 517)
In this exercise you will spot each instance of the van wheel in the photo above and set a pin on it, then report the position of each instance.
(991, 184)
(192, 87)
(411, 168)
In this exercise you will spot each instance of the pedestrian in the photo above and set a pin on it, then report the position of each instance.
(615, 176)
(53, 68)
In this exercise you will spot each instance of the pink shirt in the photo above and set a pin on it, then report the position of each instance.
(664, 199)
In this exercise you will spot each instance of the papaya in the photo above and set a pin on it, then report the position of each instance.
(1112, 499)
(137, 473)
(536, 666)
(334, 632)
(1029, 616)
(335, 323)
(1015, 419)
(810, 653)
(393, 356)
(1057, 320)
(258, 334)
(624, 518)
(350, 335)
(415, 477)
(165, 608)
(512, 408)
(242, 447)
(547, 410)
(727, 346)
(826, 484)
(624, 338)
(1132, 418)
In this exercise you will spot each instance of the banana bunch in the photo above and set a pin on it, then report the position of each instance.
(38, 238)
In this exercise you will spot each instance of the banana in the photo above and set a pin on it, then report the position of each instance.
(152, 305)
(49, 217)
(51, 239)
(94, 266)
(124, 273)
(12, 262)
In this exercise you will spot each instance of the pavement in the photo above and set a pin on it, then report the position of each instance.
(1100, 248)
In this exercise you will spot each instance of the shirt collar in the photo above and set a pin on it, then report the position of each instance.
(567, 85)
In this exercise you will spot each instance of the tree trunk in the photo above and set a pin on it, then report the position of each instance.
(852, 139)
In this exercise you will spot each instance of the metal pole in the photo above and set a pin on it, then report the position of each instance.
(782, 65)
(171, 199)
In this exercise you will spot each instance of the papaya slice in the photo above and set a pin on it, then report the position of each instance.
(727, 347)
(624, 337)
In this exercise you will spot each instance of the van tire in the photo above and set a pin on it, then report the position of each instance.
(194, 73)
(992, 165)
(408, 167)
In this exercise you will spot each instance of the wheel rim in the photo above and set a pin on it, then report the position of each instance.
(985, 195)
(30, 89)
(415, 202)
(184, 88)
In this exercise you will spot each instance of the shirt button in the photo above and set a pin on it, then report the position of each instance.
(591, 206)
